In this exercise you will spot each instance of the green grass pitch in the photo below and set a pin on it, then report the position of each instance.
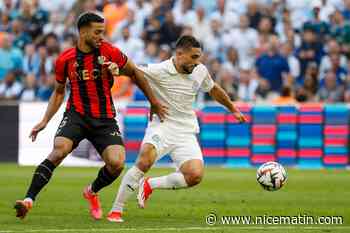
(61, 208)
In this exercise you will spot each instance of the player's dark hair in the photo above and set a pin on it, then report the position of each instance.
(186, 42)
(86, 18)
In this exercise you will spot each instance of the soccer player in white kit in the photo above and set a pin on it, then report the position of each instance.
(176, 83)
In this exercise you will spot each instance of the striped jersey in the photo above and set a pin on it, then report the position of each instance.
(90, 81)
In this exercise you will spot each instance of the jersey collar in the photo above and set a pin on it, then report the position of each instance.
(171, 67)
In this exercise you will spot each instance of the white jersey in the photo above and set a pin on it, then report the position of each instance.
(178, 92)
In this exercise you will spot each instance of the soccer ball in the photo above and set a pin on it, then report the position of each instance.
(271, 176)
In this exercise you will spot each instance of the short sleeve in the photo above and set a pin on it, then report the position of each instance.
(207, 83)
(60, 75)
(150, 72)
(118, 57)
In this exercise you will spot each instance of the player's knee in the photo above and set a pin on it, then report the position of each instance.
(144, 164)
(145, 160)
(193, 178)
(117, 163)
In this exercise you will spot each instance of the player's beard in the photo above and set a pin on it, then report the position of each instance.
(188, 69)
(92, 44)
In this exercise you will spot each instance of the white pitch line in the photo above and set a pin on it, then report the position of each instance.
(180, 229)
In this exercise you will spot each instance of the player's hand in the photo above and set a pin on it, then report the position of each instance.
(159, 109)
(36, 130)
(112, 67)
(240, 117)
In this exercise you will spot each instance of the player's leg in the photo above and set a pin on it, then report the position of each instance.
(131, 179)
(43, 173)
(107, 140)
(189, 174)
(68, 136)
(187, 157)
(153, 147)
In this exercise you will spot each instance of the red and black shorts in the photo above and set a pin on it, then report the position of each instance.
(100, 132)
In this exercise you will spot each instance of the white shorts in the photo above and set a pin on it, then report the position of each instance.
(180, 146)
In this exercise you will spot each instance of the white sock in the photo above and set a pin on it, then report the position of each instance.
(127, 187)
(174, 180)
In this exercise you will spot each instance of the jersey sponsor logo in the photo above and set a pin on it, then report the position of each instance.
(85, 74)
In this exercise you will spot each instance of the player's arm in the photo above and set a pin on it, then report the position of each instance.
(138, 78)
(218, 94)
(55, 102)
(56, 98)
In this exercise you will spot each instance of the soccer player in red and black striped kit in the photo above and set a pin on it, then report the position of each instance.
(89, 68)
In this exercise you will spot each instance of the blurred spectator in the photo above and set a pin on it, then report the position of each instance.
(325, 7)
(214, 67)
(293, 62)
(132, 46)
(81, 6)
(332, 48)
(142, 9)
(10, 88)
(31, 60)
(213, 42)
(8, 7)
(339, 71)
(244, 39)
(317, 24)
(183, 13)
(169, 31)
(45, 64)
(286, 97)
(46, 88)
(283, 25)
(247, 86)
(33, 17)
(69, 24)
(232, 62)
(55, 24)
(272, 66)
(337, 25)
(200, 24)
(235, 36)
(307, 91)
(21, 37)
(114, 12)
(151, 52)
(164, 53)
(135, 27)
(5, 22)
(52, 44)
(11, 57)
(30, 89)
(228, 19)
(311, 72)
(331, 92)
(57, 5)
(226, 80)
(263, 91)
(299, 12)
(346, 10)
(265, 30)
(152, 30)
(254, 14)
(311, 49)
